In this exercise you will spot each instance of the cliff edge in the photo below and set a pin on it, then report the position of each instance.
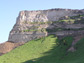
(36, 24)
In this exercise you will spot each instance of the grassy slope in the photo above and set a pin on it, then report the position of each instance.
(46, 50)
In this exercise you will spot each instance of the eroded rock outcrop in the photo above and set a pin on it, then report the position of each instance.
(33, 24)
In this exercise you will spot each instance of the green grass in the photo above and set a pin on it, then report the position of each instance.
(46, 50)
(32, 30)
(69, 21)
(31, 50)
(73, 19)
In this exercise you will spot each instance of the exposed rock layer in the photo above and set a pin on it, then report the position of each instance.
(32, 24)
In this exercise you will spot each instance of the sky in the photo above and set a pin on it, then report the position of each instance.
(9, 10)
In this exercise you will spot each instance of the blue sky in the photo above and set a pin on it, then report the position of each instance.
(9, 10)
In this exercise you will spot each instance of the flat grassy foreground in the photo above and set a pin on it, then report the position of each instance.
(46, 50)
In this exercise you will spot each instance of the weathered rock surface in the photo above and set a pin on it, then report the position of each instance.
(32, 24)
(46, 15)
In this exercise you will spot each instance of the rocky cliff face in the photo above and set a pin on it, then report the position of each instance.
(45, 15)
(33, 24)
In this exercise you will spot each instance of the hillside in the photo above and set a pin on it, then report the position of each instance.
(45, 36)
(46, 50)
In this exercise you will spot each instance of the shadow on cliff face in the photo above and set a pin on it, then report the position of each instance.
(55, 55)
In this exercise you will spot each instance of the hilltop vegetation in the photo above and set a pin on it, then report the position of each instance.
(46, 50)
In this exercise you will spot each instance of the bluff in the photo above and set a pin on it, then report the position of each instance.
(36, 24)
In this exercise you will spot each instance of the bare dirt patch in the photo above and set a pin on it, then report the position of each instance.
(8, 46)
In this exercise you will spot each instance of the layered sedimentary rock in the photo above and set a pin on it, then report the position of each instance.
(32, 24)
